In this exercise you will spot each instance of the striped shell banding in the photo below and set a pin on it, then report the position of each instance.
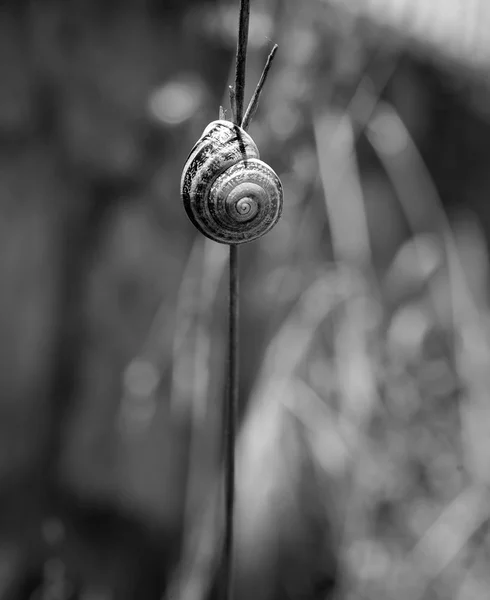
(229, 194)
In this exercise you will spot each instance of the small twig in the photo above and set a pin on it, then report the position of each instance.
(254, 102)
(241, 58)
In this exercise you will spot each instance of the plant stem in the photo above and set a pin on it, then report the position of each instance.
(230, 423)
(241, 58)
(237, 100)
(233, 104)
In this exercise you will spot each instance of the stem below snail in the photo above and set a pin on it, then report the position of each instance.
(230, 423)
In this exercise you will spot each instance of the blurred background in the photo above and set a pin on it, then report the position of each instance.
(364, 449)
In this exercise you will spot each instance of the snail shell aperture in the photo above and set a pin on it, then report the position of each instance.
(229, 194)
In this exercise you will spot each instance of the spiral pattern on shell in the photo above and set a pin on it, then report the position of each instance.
(229, 194)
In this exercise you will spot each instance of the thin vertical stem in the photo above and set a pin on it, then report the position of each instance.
(241, 58)
(230, 423)
(237, 97)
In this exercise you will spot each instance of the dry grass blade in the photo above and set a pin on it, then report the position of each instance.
(190, 381)
(422, 206)
(336, 135)
(335, 138)
(202, 545)
(448, 535)
(290, 344)
(273, 453)
(196, 298)
(342, 189)
(350, 236)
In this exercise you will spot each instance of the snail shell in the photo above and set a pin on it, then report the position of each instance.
(229, 194)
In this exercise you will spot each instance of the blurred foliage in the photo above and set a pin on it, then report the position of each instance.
(364, 455)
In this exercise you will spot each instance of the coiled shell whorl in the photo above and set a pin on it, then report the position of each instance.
(229, 194)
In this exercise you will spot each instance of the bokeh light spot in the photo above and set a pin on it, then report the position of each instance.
(176, 101)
